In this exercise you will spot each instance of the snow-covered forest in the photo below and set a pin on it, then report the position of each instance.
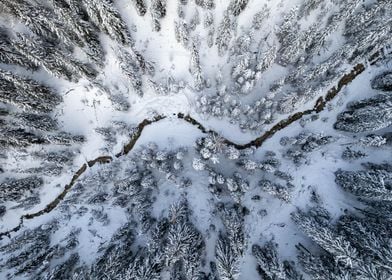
(196, 139)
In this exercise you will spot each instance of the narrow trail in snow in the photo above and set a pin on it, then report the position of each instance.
(317, 108)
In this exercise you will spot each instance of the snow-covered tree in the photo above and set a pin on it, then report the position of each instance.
(27, 94)
(225, 33)
(383, 82)
(8, 53)
(207, 4)
(158, 11)
(372, 140)
(266, 58)
(53, 60)
(336, 245)
(277, 190)
(227, 260)
(195, 69)
(366, 115)
(140, 7)
(374, 183)
(260, 17)
(198, 164)
(237, 6)
(131, 67)
(269, 264)
(182, 33)
(15, 189)
(350, 154)
(106, 17)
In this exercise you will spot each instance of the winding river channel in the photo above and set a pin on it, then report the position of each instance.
(257, 142)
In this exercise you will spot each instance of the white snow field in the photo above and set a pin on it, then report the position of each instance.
(196, 139)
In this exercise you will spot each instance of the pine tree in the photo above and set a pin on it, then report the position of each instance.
(349, 154)
(52, 60)
(207, 4)
(363, 234)
(260, 17)
(320, 267)
(195, 69)
(35, 121)
(269, 265)
(64, 270)
(307, 6)
(372, 140)
(237, 6)
(231, 243)
(366, 115)
(277, 190)
(374, 183)
(226, 259)
(158, 11)
(140, 7)
(266, 58)
(225, 33)
(8, 53)
(85, 32)
(383, 82)
(41, 21)
(182, 33)
(131, 67)
(105, 16)
(336, 245)
(15, 189)
(27, 94)
(184, 243)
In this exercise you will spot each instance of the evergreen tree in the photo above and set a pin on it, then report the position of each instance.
(366, 115)
(237, 6)
(231, 243)
(41, 21)
(140, 7)
(182, 33)
(269, 265)
(227, 260)
(266, 58)
(335, 244)
(15, 189)
(85, 32)
(372, 140)
(52, 60)
(195, 69)
(260, 17)
(132, 68)
(277, 190)
(105, 16)
(8, 53)
(158, 11)
(207, 4)
(27, 94)
(383, 82)
(225, 33)
(374, 183)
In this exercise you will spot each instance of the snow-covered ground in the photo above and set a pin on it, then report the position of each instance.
(236, 67)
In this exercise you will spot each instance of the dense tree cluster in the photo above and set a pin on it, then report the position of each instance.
(366, 115)
(15, 189)
(383, 82)
(269, 264)
(356, 246)
(302, 144)
(231, 243)
(350, 154)
(375, 182)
